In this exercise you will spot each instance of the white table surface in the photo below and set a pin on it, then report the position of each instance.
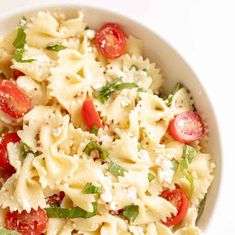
(203, 32)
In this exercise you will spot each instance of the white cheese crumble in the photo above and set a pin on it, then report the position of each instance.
(135, 230)
(106, 196)
(144, 155)
(165, 171)
(131, 192)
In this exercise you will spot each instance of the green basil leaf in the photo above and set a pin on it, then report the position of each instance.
(4, 231)
(116, 169)
(94, 146)
(71, 213)
(188, 154)
(104, 93)
(94, 130)
(19, 43)
(131, 212)
(190, 179)
(54, 46)
(151, 177)
(125, 85)
(91, 189)
(175, 164)
(133, 66)
(25, 149)
(201, 208)
(20, 39)
(177, 87)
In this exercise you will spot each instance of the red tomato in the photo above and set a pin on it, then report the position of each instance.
(55, 198)
(111, 40)
(8, 173)
(16, 73)
(4, 159)
(187, 127)
(13, 100)
(32, 223)
(90, 116)
(179, 200)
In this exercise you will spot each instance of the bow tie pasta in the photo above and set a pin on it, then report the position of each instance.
(89, 143)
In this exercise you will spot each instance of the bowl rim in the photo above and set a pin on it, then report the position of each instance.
(71, 4)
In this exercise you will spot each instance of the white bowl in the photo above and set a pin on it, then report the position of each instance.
(174, 68)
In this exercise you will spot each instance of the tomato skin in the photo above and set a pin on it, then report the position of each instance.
(187, 127)
(4, 158)
(32, 223)
(111, 40)
(55, 198)
(180, 200)
(13, 100)
(17, 73)
(8, 173)
(90, 115)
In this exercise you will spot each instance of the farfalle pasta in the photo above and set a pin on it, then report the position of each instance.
(89, 143)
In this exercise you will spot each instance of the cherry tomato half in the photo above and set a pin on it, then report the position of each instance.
(111, 40)
(17, 73)
(90, 115)
(13, 100)
(32, 223)
(55, 198)
(4, 158)
(179, 200)
(8, 173)
(187, 127)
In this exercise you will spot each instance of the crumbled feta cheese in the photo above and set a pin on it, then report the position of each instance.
(90, 33)
(165, 171)
(136, 230)
(106, 196)
(56, 132)
(113, 205)
(131, 192)
(143, 155)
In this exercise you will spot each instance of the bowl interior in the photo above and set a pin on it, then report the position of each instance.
(172, 65)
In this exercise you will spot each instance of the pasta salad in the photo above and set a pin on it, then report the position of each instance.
(89, 144)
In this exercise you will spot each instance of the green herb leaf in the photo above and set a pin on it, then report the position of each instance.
(4, 231)
(188, 154)
(190, 179)
(94, 146)
(177, 87)
(20, 39)
(104, 93)
(116, 169)
(145, 70)
(131, 212)
(91, 189)
(175, 164)
(94, 130)
(71, 213)
(133, 66)
(151, 177)
(19, 43)
(201, 208)
(18, 56)
(25, 149)
(55, 46)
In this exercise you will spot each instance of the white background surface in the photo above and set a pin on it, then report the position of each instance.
(203, 32)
